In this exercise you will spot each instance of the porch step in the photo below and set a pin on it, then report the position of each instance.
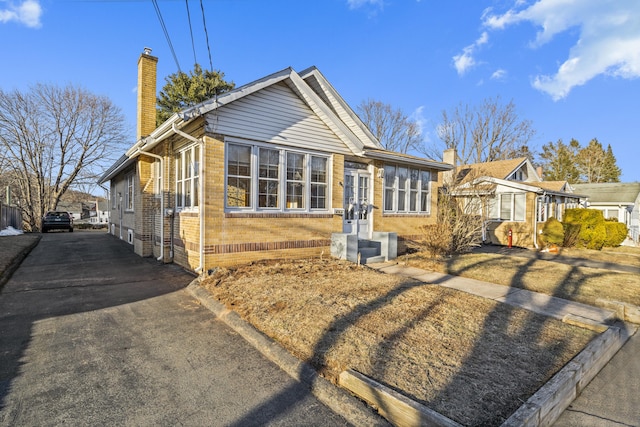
(372, 260)
(369, 252)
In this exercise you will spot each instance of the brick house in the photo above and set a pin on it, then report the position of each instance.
(273, 169)
(510, 196)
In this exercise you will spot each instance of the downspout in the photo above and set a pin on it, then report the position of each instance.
(155, 156)
(201, 180)
(535, 221)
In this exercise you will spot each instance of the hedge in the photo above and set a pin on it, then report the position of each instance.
(593, 233)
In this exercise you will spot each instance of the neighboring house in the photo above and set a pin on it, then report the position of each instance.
(616, 200)
(511, 197)
(77, 210)
(272, 169)
(99, 212)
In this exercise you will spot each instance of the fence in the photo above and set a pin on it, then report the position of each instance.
(10, 216)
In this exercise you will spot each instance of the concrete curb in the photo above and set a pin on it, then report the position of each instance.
(542, 409)
(548, 403)
(352, 409)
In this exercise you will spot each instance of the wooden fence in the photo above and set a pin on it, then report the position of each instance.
(10, 216)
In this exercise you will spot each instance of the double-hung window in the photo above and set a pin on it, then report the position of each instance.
(509, 207)
(129, 195)
(262, 178)
(319, 182)
(268, 178)
(157, 178)
(295, 181)
(406, 190)
(239, 176)
(188, 177)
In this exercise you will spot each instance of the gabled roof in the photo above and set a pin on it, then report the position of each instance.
(552, 185)
(614, 192)
(330, 107)
(313, 89)
(501, 169)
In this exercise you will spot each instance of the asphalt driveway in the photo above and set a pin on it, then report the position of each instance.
(91, 334)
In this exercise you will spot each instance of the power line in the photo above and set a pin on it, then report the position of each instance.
(206, 34)
(166, 33)
(193, 46)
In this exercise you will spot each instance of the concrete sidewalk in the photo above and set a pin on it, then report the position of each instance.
(559, 258)
(581, 394)
(557, 308)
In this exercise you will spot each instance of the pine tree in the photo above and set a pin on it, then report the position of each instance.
(558, 161)
(610, 170)
(183, 90)
(598, 165)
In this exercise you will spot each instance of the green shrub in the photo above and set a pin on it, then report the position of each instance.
(593, 233)
(616, 233)
(553, 232)
(571, 233)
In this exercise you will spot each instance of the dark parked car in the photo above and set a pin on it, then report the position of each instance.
(54, 220)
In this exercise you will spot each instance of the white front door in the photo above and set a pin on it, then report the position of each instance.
(357, 206)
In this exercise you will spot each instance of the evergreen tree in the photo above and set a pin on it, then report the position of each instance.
(610, 170)
(559, 161)
(596, 164)
(183, 90)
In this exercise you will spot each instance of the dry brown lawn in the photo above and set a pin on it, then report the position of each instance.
(471, 359)
(582, 284)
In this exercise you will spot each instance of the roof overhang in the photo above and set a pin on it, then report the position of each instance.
(391, 156)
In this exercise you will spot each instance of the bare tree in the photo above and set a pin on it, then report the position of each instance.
(51, 136)
(394, 130)
(486, 132)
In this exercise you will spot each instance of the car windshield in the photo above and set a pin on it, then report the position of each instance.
(58, 214)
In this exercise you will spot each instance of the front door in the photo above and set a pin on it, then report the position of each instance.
(357, 206)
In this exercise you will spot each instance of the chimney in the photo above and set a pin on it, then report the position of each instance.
(539, 172)
(450, 155)
(147, 66)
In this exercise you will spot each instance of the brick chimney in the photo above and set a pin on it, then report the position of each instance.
(450, 155)
(147, 70)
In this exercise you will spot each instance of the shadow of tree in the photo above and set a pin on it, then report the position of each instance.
(468, 397)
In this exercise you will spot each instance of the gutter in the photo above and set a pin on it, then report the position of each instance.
(201, 208)
(155, 156)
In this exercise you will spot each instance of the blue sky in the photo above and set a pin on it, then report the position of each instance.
(570, 66)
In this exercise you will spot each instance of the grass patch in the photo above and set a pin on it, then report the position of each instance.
(471, 359)
(581, 284)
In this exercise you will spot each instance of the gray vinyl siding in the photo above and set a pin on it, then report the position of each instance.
(274, 114)
(333, 103)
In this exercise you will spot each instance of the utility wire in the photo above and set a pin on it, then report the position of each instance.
(193, 46)
(206, 33)
(166, 33)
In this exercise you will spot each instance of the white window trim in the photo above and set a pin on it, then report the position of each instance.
(512, 207)
(157, 178)
(130, 196)
(407, 192)
(179, 187)
(282, 178)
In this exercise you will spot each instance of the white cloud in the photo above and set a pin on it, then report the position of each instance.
(27, 12)
(464, 61)
(608, 43)
(422, 122)
(355, 4)
(499, 74)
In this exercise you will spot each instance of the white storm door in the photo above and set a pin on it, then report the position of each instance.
(357, 208)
